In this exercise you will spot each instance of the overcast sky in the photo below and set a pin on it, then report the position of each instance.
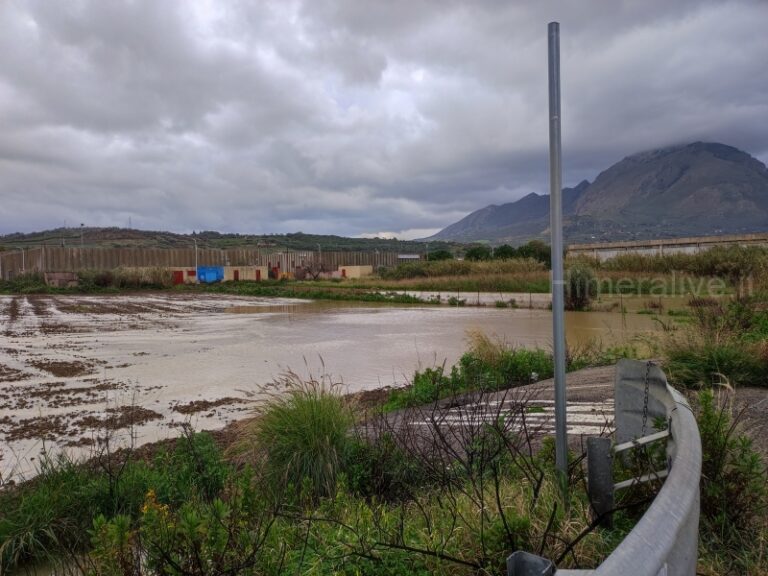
(350, 117)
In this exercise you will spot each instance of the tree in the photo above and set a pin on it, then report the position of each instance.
(440, 255)
(505, 252)
(537, 250)
(478, 253)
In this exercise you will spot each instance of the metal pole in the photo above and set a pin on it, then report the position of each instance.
(556, 227)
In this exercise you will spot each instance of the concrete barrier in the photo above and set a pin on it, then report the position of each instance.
(664, 542)
(692, 245)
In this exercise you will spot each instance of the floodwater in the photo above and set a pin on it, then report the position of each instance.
(75, 368)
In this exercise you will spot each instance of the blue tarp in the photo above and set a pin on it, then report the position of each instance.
(210, 274)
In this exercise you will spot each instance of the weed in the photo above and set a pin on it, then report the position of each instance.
(734, 489)
(304, 434)
(580, 287)
(723, 341)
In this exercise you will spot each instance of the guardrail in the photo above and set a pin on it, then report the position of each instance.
(664, 542)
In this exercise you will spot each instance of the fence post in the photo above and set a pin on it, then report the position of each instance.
(600, 477)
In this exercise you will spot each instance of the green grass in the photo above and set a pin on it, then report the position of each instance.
(723, 342)
(491, 365)
(304, 290)
(49, 517)
(734, 492)
(304, 433)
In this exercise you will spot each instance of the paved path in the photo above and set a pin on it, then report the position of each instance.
(590, 408)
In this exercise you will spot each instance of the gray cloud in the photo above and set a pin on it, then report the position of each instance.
(349, 117)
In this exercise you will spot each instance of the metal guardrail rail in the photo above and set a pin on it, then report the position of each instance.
(664, 542)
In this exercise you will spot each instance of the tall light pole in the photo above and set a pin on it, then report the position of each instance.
(556, 229)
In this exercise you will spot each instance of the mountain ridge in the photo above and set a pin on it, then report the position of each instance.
(695, 189)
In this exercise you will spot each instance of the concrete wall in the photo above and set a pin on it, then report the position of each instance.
(245, 273)
(72, 259)
(607, 250)
(188, 273)
(355, 271)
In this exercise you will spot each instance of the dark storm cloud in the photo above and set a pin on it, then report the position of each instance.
(349, 117)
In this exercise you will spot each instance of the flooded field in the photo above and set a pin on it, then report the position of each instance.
(74, 369)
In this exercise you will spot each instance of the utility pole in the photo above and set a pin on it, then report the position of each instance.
(195, 241)
(556, 228)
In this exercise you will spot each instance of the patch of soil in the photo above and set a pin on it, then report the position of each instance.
(40, 427)
(58, 396)
(202, 405)
(370, 399)
(63, 369)
(105, 307)
(8, 374)
(80, 442)
(57, 328)
(39, 306)
(117, 418)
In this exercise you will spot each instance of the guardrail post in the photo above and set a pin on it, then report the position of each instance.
(526, 564)
(600, 477)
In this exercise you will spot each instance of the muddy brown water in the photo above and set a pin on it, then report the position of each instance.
(164, 351)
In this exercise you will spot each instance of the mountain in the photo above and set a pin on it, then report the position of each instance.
(516, 221)
(690, 190)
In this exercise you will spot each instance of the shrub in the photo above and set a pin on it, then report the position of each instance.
(478, 253)
(724, 342)
(537, 250)
(439, 255)
(427, 386)
(505, 252)
(441, 269)
(29, 283)
(49, 517)
(734, 485)
(489, 365)
(580, 287)
(733, 263)
(194, 469)
(304, 433)
(379, 468)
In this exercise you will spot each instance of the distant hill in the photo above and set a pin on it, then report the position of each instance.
(515, 222)
(124, 237)
(690, 190)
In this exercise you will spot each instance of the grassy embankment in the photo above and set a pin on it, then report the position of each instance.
(723, 349)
